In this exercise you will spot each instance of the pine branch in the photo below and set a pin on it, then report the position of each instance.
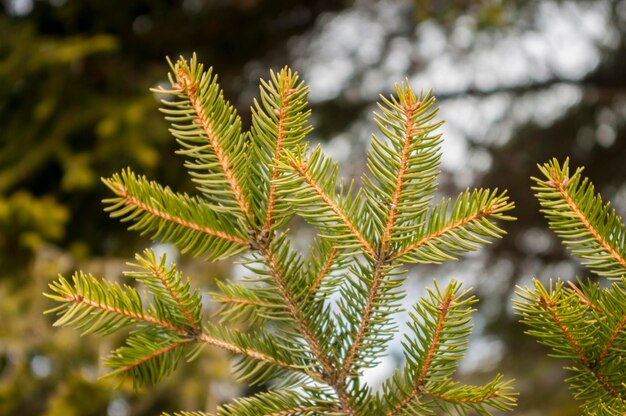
(470, 400)
(367, 304)
(254, 305)
(169, 290)
(187, 222)
(592, 231)
(104, 307)
(271, 403)
(440, 331)
(251, 184)
(209, 131)
(101, 307)
(271, 256)
(444, 236)
(279, 122)
(310, 187)
(262, 355)
(402, 171)
(322, 270)
(148, 356)
(556, 311)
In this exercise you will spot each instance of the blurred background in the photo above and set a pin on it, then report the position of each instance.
(518, 82)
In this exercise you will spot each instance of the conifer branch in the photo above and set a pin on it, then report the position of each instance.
(286, 91)
(256, 355)
(79, 299)
(251, 184)
(187, 222)
(323, 271)
(305, 329)
(585, 360)
(140, 361)
(590, 229)
(189, 87)
(134, 202)
(584, 300)
(157, 272)
(301, 168)
(365, 322)
(409, 107)
(560, 184)
(419, 383)
(463, 400)
(621, 325)
(431, 238)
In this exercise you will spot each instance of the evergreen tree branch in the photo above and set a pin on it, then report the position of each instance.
(270, 403)
(619, 328)
(279, 123)
(365, 321)
(168, 289)
(307, 333)
(187, 222)
(580, 334)
(189, 86)
(132, 201)
(301, 168)
(323, 272)
(585, 300)
(151, 356)
(592, 231)
(585, 360)
(241, 302)
(106, 307)
(175, 296)
(409, 127)
(402, 169)
(495, 394)
(470, 221)
(82, 303)
(256, 355)
(418, 389)
(285, 92)
(560, 185)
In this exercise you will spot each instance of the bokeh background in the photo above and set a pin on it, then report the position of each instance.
(518, 82)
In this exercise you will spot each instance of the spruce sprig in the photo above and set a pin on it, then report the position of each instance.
(584, 324)
(320, 319)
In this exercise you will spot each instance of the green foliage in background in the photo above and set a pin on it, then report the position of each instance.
(583, 324)
(325, 317)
